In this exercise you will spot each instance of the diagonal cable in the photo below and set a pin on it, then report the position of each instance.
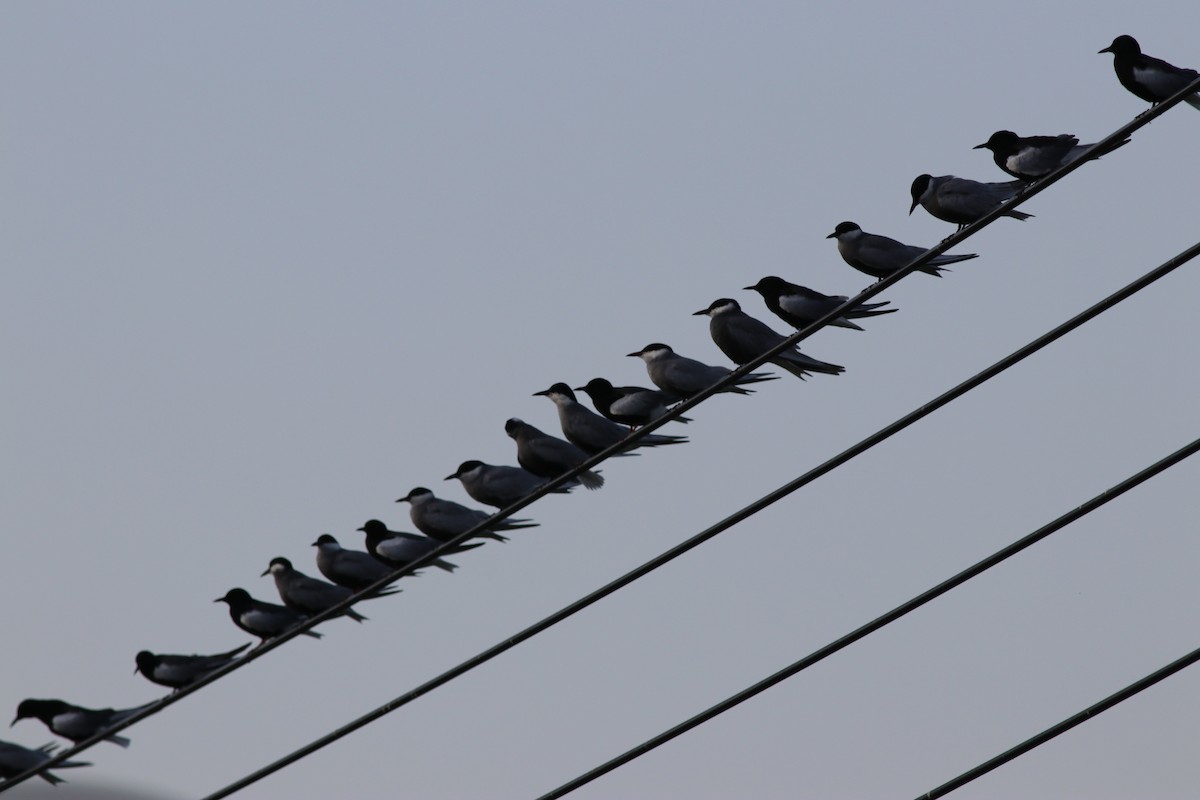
(1145, 118)
(1064, 726)
(879, 622)
(725, 524)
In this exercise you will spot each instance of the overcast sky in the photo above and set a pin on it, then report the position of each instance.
(269, 266)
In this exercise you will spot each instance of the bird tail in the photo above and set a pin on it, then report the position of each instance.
(54, 780)
(311, 633)
(385, 593)
(1094, 151)
(125, 714)
(516, 524)
(121, 740)
(462, 548)
(354, 615)
(753, 377)
(946, 258)
(842, 322)
(869, 310)
(654, 440)
(798, 364)
(591, 479)
(446, 565)
(1021, 215)
(1193, 100)
(231, 653)
(796, 369)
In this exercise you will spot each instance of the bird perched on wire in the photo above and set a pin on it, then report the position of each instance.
(682, 377)
(445, 519)
(501, 486)
(591, 432)
(742, 338)
(398, 549)
(177, 671)
(800, 306)
(1030, 158)
(629, 405)
(16, 759)
(549, 456)
(312, 596)
(961, 200)
(879, 256)
(353, 569)
(76, 722)
(260, 618)
(1150, 78)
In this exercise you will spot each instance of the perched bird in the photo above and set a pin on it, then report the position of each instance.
(501, 486)
(1032, 157)
(800, 306)
(398, 549)
(742, 338)
(961, 200)
(1151, 79)
(262, 619)
(445, 519)
(311, 596)
(76, 722)
(180, 671)
(15, 759)
(629, 405)
(879, 256)
(352, 569)
(591, 432)
(549, 456)
(681, 377)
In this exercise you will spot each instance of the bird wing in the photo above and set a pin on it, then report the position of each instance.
(884, 253)
(1161, 78)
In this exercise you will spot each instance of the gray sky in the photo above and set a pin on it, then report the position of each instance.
(269, 266)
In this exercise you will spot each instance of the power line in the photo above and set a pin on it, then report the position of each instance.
(1064, 726)
(953, 240)
(728, 522)
(877, 623)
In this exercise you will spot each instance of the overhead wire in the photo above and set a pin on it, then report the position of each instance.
(698, 539)
(1062, 727)
(953, 240)
(862, 631)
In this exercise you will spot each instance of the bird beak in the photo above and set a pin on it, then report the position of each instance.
(265, 572)
(748, 288)
(1105, 50)
(314, 544)
(362, 530)
(701, 312)
(542, 393)
(447, 478)
(14, 722)
(832, 235)
(979, 147)
(633, 355)
(913, 207)
(579, 389)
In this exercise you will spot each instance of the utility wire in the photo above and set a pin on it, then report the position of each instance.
(1143, 119)
(1064, 726)
(877, 623)
(725, 524)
